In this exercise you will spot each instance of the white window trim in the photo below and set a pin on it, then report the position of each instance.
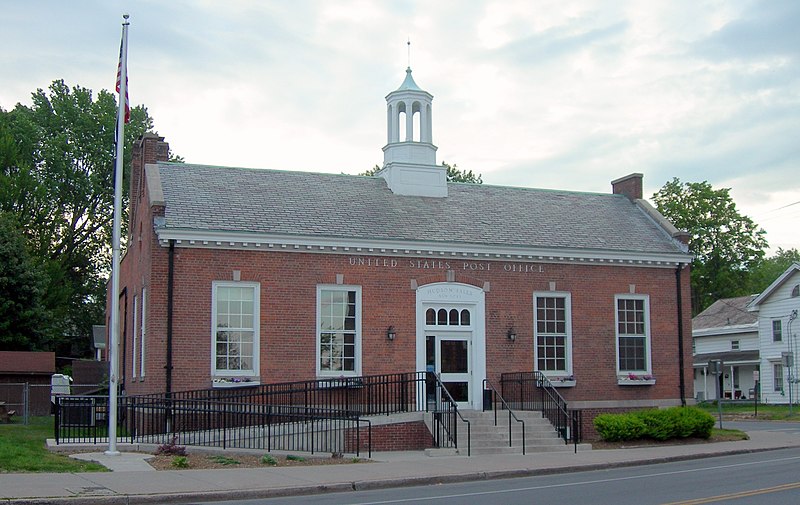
(623, 375)
(783, 382)
(143, 334)
(338, 373)
(135, 334)
(772, 328)
(562, 377)
(255, 372)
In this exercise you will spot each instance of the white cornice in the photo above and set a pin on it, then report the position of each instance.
(332, 245)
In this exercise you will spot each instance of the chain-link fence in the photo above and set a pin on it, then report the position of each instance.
(25, 399)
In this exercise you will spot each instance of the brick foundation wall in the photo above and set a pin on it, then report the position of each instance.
(413, 436)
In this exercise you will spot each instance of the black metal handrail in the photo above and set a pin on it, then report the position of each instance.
(487, 385)
(368, 395)
(211, 423)
(446, 414)
(534, 391)
(209, 410)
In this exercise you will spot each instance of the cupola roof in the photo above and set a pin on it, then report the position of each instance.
(408, 83)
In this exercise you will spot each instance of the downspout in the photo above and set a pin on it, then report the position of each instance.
(679, 293)
(170, 289)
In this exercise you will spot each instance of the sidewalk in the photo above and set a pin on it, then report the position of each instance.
(133, 481)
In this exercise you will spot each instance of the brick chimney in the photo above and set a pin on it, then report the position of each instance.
(149, 148)
(630, 186)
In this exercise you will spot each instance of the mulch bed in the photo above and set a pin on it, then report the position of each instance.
(206, 461)
(634, 444)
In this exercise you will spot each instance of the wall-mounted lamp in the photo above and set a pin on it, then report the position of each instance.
(390, 333)
(512, 335)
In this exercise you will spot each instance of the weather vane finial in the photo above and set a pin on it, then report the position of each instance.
(409, 52)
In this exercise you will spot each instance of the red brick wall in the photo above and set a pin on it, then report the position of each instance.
(630, 186)
(413, 436)
(143, 263)
(288, 314)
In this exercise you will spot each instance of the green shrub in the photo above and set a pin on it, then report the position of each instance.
(658, 424)
(268, 460)
(683, 421)
(292, 457)
(180, 462)
(701, 422)
(223, 460)
(618, 427)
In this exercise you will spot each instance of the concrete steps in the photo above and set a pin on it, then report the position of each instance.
(488, 438)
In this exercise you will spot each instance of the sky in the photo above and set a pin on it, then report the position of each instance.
(535, 93)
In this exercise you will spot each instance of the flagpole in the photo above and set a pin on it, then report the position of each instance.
(113, 383)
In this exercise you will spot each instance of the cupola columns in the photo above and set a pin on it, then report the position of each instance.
(409, 165)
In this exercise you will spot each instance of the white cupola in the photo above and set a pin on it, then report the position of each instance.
(409, 157)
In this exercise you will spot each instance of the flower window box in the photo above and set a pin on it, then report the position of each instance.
(234, 382)
(563, 382)
(636, 380)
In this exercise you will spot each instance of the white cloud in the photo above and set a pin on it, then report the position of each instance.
(541, 93)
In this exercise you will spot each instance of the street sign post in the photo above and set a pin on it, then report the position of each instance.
(788, 363)
(715, 368)
(756, 378)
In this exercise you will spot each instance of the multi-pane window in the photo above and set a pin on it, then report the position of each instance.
(135, 334)
(552, 332)
(143, 334)
(734, 345)
(236, 332)
(777, 330)
(777, 377)
(632, 334)
(339, 326)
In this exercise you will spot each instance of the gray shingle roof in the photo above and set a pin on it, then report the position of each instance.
(208, 198)
(725, 312)
(726, 357)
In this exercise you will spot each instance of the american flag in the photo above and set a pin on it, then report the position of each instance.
(119, 82)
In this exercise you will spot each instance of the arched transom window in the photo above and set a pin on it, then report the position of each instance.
(447, 317)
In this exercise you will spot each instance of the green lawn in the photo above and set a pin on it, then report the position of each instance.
(747, 410)
(22, 449)
(718, 435)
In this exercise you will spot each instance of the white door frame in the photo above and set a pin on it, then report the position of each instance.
(463, 296)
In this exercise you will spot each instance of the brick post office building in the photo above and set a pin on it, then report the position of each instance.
(235, 277)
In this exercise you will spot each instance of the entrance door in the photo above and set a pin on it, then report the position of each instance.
(450, 357)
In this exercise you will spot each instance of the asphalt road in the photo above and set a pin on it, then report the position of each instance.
(787, 427)
(763, 478)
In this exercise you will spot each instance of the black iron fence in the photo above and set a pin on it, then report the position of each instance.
(367, 395)
(533, 391)
(325, 415)
(210, 423)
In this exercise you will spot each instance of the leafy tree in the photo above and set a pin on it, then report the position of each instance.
(57, 180)
(22, 315)
(769, 269)
(453, 174)
(456, 175)
(726, 244)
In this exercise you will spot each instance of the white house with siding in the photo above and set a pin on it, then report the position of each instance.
(726, 331)
(777, 308)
